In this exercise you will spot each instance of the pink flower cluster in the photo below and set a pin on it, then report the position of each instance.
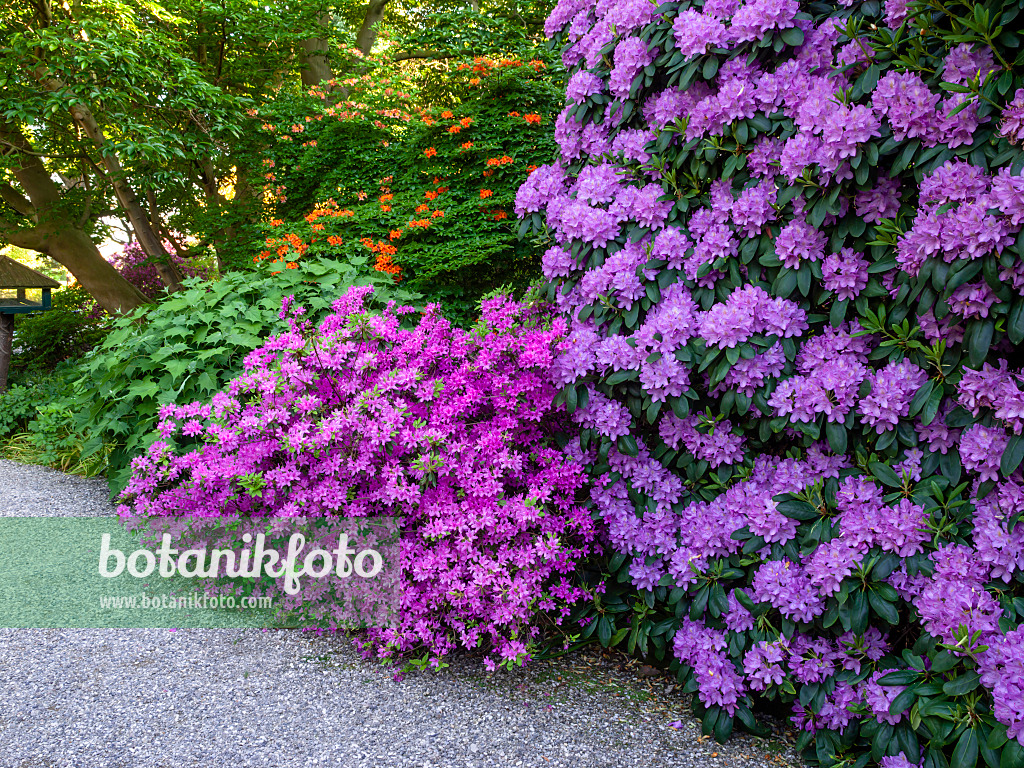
(391, 415)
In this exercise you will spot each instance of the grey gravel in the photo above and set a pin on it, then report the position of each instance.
(145, 698)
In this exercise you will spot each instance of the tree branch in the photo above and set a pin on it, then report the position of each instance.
(30, 238)
(424, 54)
(16, 200)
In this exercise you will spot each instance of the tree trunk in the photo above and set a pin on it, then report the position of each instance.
(316, 66)
(75, 251)
(6, 348)
(367, 35)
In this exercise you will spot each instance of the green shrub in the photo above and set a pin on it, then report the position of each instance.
(188, 345)
(70, 329)
(407, 171)
(38, 423)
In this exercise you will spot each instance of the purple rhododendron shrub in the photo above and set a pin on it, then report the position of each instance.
(397, 416)
(787, 238)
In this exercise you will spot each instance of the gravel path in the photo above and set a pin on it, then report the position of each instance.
(144, 698)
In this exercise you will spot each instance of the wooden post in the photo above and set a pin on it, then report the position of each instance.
(6, 347)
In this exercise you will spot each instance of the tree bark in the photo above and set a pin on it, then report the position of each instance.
(6, 348)
(316, 66)
(367, 35)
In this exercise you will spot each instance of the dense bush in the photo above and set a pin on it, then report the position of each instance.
(68, 330)
(788, 238)
(419, 179)
(37, 423)
(371, 415)
(188, 345)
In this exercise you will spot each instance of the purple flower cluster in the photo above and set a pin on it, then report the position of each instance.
(703, 648)
(723, 249)
(713, 443)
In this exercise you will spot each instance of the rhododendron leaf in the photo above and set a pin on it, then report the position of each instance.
(1012, 456)
(996, 737)
(904, 700)
(1012, 755)
(880, 741)
(883, 607)
(754, 544)
(978, 340)
(798, 510)
(1015, 322)
(885, 473)
(924, 393)
(965, 754)
(965, 683)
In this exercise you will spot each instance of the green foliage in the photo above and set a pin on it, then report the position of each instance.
(37, 424)
(190, 344)
(418, 180)
(17, 407)
(68, 330)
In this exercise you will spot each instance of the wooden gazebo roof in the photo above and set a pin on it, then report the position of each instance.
(15, 275)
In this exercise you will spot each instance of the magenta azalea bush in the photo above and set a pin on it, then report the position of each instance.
(393, 415)
(788, 239)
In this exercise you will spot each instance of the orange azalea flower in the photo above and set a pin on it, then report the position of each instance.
(430, 195)
(532, 118)
(345, 212)
(446, 114)
(437, 215)
(318, 227)
(394, 234)
(386, 198)
(442, 190)
(474, 81)
(428, 121)
(422, 207)
(386, 208)
(467, 145)
(499, 215)
(455, 129)
(466, 122)
(430, 152)
(334, 240)
(485, 193)
(292, 265)
(513, 114)
(488, 174)
(531, 168)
